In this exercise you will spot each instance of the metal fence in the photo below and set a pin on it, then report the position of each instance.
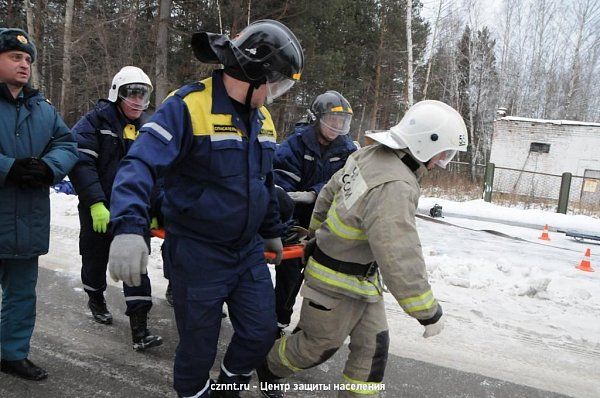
(584, 197)
(530, 189)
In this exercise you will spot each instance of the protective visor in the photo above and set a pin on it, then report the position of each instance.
(447, 156)
(136, 95)
(337, 122)
(277, 85)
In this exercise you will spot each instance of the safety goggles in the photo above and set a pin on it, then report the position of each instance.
(277, 85)
(136, 95)
(447, 156)
(337, 122)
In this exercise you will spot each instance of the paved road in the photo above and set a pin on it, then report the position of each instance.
(86, 359)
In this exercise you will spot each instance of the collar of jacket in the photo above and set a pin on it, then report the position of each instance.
(421, 171)
(26, 94)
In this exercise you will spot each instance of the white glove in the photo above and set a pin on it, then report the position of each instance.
(434, 329)
(274, 245)
(307, 197)
(128, 258)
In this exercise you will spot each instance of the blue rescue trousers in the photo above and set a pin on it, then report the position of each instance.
(94, 248)
(204, 276)
(17, 317)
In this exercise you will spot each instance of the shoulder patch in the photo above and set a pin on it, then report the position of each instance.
(190, 88)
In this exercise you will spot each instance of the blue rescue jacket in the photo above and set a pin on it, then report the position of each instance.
(103, 136)
(29, 127)
(218, 179)
(301, 166)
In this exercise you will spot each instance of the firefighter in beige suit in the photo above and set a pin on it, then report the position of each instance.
(364, 220)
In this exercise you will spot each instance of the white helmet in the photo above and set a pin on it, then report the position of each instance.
(428, 128)
(131, 76)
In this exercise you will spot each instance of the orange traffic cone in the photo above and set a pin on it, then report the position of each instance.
(585, 264)
(545, 235)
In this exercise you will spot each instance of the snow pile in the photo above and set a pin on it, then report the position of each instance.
(516, 308)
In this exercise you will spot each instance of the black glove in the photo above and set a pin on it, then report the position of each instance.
(39, 167)
(30, 172)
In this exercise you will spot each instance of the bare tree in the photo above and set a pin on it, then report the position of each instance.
(586, 13)
(409, 52)
(66, 75)
(433, 42)
(35, 74)
(162, 51)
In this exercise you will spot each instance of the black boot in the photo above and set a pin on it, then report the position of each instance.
(99, 311)
(140, 334)
(269, 383)
(24, 369)
(169, 295)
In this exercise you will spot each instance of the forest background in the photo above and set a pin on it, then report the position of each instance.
(536, 58)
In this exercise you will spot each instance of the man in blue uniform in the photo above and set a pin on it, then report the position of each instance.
(104, 136)
(304, 163)
(215, 142)
(36, 151)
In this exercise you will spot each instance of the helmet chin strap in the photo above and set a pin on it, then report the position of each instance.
(253, 86)
(249, 94)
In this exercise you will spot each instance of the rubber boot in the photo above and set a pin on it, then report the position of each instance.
(99, 311)
(140, 334)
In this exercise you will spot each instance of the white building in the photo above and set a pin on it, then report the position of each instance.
(531, 154)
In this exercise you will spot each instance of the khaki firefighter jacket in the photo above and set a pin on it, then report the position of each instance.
(366, 213)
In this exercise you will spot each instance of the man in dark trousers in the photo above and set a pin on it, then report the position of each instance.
(104, 135)
(36, 151)
(304, 162)
(216, 142)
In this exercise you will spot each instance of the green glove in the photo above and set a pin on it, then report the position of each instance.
(154, 223)
(100, 217)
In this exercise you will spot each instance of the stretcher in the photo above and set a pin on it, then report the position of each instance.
(289, 252)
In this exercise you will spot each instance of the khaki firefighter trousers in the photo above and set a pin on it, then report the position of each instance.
(325, 323)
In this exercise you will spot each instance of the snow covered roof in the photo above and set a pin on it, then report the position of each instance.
(559, 122)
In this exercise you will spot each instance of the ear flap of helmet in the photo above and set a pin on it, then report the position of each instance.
(212, 48)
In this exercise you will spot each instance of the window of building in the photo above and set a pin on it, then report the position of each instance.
(539, 147)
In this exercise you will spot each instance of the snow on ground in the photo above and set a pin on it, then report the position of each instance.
(515, 309)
